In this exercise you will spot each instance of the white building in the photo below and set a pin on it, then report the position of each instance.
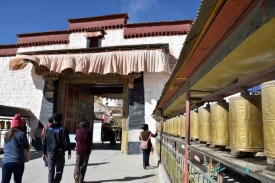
(96, 55)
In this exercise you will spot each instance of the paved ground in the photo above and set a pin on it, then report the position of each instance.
(106, 164)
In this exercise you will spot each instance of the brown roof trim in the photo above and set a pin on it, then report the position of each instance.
(43, 38)
(43, 33)
(100, 49)
(8, 50)
(150, 29)
(104, 17)
(168, 22)
(115, 21)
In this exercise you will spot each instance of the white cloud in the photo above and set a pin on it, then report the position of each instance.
(135, 8)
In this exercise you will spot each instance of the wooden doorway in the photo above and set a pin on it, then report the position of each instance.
(71, 109)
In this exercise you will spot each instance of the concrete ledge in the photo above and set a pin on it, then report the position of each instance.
(162, 174)
(163, 177)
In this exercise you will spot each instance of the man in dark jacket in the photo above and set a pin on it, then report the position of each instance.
(56, 141)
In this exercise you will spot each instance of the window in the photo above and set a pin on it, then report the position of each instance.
(93, 42)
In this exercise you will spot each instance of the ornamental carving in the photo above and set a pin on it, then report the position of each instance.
(194, 125)
(268, 108)
(204, 124)
(219, 124)
(245, 124)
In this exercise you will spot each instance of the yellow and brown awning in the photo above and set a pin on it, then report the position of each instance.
(120, 62)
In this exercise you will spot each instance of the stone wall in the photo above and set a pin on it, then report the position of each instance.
(136, 116)
(85, 111)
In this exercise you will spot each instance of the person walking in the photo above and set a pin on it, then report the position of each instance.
(112, 137)
(83, 138)
(50, 120)
(15, 141)
(145, 135)
(55, 142)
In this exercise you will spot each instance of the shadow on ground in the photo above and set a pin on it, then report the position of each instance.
(122, 180)
(91, 164)
(106, 146)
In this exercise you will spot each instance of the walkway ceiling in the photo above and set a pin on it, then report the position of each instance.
(235, 46)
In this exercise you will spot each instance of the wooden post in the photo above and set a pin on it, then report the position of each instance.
(187, 133)
(161, 133)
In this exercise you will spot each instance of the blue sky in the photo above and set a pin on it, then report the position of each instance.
(25, 16)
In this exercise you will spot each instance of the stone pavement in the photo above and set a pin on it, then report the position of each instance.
(106, 164)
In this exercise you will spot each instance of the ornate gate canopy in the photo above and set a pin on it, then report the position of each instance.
(119, 62)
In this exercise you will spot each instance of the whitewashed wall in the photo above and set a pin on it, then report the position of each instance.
(41, 48)
(21, 88)
(115, 37)
(153, 86)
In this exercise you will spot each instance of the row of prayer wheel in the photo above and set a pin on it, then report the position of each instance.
(175, 126)
(5, 125)
(246, 123)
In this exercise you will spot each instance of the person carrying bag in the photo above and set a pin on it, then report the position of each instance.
(15, 143)
(146, 144)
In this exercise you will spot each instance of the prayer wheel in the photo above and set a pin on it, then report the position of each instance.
(246, 124)
(174, 126)
(194, 125)
(219, 124)
(204, 124)
(178, 125)
(182, 126)
(8, 124)
(2, 124)
(268, 107)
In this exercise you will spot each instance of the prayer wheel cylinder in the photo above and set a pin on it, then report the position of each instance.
(268, 107)
(8, 124)
(219, 124)
(204, 124)
(182, 125)
(178, 121)
(246, 124)
(194, 125)
(174, 126)
(2, 124)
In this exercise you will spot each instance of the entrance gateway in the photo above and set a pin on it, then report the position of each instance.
(77, 65)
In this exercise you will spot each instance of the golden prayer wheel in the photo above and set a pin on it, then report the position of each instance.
(204, 124)
(2, 124)
(194, 125)
(8, 124)
(182, 125)
(219, 124)
(178, 125)
(173, 126)
(268, 107)
(246, 124)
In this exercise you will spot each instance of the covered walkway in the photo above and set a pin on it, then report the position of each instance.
(106, 164)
